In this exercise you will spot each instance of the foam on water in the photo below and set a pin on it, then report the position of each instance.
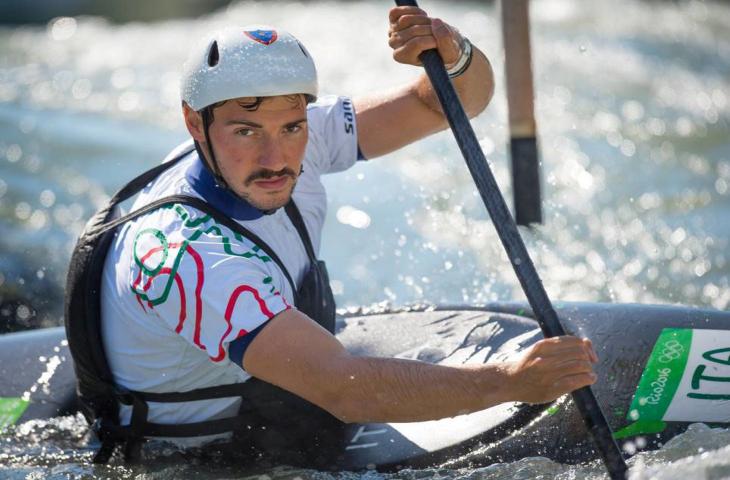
(55, 449)
(633, 110)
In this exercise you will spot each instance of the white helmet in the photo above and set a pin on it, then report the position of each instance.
(251, 61)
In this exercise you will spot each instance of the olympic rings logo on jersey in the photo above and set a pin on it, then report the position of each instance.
(672, 351)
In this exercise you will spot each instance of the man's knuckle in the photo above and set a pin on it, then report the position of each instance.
(412, 20)
(403, 22)
(396, 12)
(540, 362)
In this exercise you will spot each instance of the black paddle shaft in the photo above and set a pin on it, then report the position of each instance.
(506, 228)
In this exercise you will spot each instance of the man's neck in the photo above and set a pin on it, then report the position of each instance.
(203, 181)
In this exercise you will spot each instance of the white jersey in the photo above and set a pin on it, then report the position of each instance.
(180, 292)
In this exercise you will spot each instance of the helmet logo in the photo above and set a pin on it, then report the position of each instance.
(265, 37)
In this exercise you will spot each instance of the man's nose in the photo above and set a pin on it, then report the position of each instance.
(271, 156)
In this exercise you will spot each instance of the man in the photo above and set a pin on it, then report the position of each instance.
(190, 300)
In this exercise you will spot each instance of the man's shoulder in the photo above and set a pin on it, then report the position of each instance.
(188, 146)
(333, 108)
(332, 134)
(171, 181)
(178, 223)
(179, 243)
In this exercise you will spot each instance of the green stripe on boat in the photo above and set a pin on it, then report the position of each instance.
(662, 375)
(11, 409)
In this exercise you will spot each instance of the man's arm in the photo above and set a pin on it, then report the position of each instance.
(391, 120)
(296, 354)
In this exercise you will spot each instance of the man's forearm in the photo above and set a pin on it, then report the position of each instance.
(296, 354)
(370, 389)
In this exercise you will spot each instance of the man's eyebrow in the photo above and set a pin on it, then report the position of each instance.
(244, 122)
(256, 125)
(296, 122)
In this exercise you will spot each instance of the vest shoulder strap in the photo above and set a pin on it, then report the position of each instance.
(292, 211)
(138, 183)
(219, 217)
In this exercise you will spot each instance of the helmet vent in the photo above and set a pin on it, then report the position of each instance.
(301, 47)
(213, 55)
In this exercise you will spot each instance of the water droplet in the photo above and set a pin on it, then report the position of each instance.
(353, 217)
(23, 210)
(62, 28)
(629, 447)
(23, 312)
(13, 153)
(47, 198)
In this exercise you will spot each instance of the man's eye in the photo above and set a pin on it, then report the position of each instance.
(245, 132)
(293, 128)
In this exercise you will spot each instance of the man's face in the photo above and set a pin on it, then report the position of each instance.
(260, 152)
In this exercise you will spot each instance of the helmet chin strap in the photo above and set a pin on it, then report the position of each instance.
(207, 114)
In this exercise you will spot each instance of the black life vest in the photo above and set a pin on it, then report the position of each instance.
(265, 409)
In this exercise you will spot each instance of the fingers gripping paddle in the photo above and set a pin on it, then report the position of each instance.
(583, 398)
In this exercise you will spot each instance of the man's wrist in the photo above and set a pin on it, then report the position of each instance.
(495, 384)
(462, 64)
(508, 383)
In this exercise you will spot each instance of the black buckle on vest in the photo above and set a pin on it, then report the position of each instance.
(111, 434)
(133, 435)
(133, 446)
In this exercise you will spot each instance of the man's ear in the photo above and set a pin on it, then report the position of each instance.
(194, 123)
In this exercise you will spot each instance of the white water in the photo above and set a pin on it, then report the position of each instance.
(633, 109)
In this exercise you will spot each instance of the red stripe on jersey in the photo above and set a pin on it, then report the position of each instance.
(198, 295)
(229, 313)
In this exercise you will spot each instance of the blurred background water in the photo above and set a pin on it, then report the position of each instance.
(633, 112)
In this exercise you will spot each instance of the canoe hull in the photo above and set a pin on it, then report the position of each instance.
(37, 365)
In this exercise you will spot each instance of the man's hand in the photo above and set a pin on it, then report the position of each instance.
(552, 367)
(412, 31)
(390, 120)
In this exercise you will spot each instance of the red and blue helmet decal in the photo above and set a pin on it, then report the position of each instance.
(265, 37)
